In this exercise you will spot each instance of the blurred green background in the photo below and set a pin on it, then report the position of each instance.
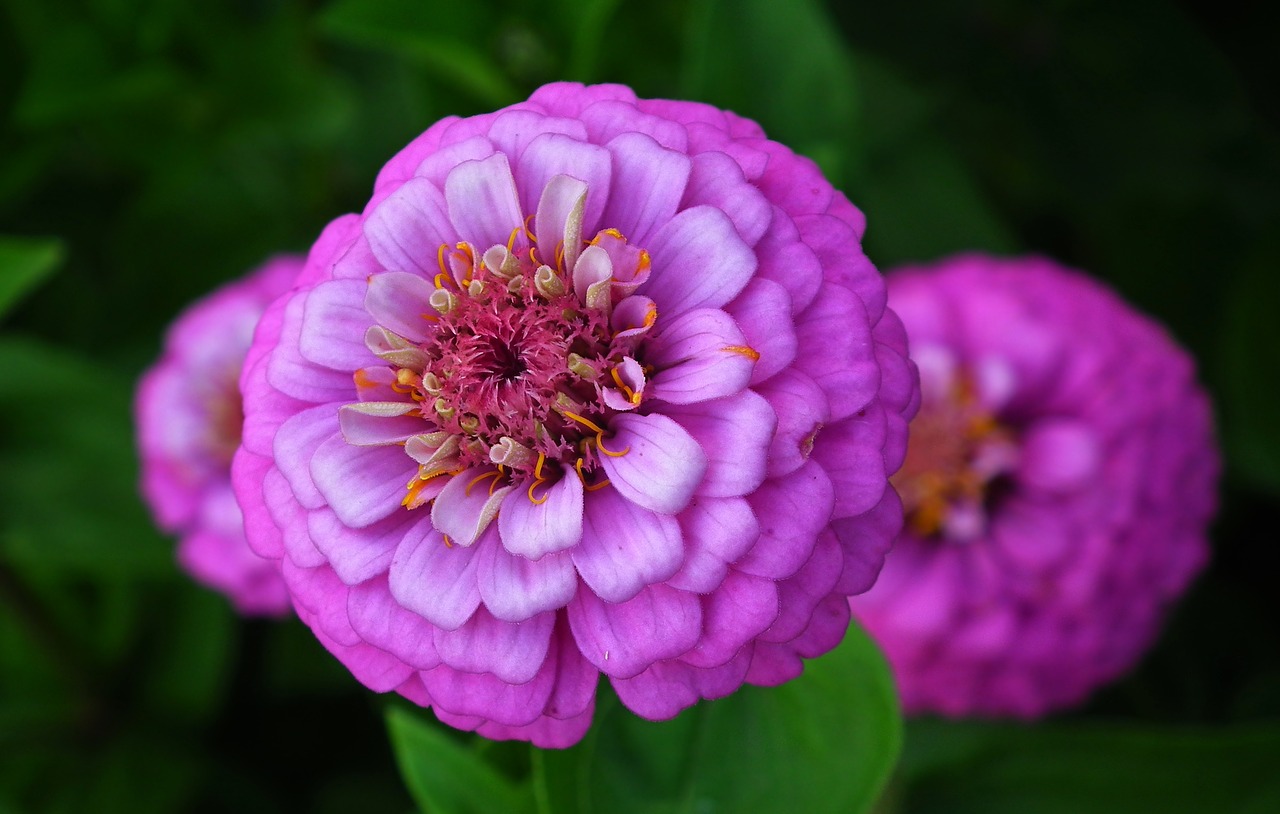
(151, 150)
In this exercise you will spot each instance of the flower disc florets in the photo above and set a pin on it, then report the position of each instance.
(595, 385)
(1060, 476)
(188, 413)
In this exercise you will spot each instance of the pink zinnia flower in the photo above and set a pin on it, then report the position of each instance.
(1060, 477)
(188, 416)
(593, 385)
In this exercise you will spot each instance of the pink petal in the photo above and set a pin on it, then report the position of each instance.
(434, 580)
(792, 510)
(788, 262)
(333, 326)
(397, 300)
(662, 465)
(295, 445)
(534, 530)
(763, 312)
(668, 687)
(514, 130)
(511, 652)
(551, 154)
(838, 352)
(699, 355)
(654, 179)
(466, 507)
(716, 531)
(851, 451)
(406, 230)
(486, 696)
(357, 555)
(800, 593)
(698, 262)
(625, 547)
(361, 484)
(735, 434)
(623, 639)
(482, 201)
(606, 120)
(382, 622)
(837, 246)
(514, 588)
(295, 376)
(738, 611)
(380, 423)
(717, 180)
(801, 409)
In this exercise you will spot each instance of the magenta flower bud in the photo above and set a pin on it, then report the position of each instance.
(1061, 474)
(188, 415)
(594, 385)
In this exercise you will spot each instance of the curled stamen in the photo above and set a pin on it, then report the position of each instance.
(511, 241)
(529, 232)
(632, 396)
(538, 480)
(495, 474)
(599, 435)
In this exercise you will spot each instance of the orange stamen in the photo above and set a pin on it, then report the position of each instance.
(750, 353)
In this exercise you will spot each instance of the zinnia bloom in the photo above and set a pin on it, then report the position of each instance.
(188, 416)
(1059, 480)
(593, 385)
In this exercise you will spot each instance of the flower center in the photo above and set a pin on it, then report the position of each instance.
(955, 452)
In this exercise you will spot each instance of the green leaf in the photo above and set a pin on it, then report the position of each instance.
(444, 775)
(825, 742)
(438, 35)
(1098, 768)
(783, 64)
(24, 264)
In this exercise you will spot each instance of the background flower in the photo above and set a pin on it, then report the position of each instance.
(1061, 474)
(188, 417)
(593, 385)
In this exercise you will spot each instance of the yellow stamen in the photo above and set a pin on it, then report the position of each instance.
(599, 435)
(494, 474)
(750, 353)
(631, 395)
(511, 241)
(589, 424)
(529, 232)
(447, 542)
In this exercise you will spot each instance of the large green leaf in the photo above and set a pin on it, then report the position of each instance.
(780, 63)
(825, 742)
(444, 37)
(1098, 768)
(24, 264)
(446, 776)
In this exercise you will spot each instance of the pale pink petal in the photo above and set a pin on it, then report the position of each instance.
(408, 227)
(398, 300)
(514, 588)
(654, 178)
(734, 434)
(435, 580)
(361, 484)
(552, 154)
(512, 652)
(482, 202)
(660, 464)
(467, 505)
(699, 355)
(534, 530)
(625, 547)
(698, 262)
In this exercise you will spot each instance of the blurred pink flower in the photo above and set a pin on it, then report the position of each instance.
(188, 415)
(1061, 474)
(593, 385)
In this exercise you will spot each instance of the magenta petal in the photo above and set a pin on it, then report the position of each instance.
(295, 445)
(792, 509)
(846, 368)
(407, 228)
(662, 464)
(851, 451)
(763, 312)
(380, 423)
(334, 323)
(654, 178)
(514, 588)
(698, 262)
(552, 154)
(736, 613)
(288, 372)
(357, 555)
(735, 434)
(717, 180)
(625, 547)
(487, 696)
(435, 580)
(513, 130)
(788, 262)
(382, 622)
(699, 355)
(865, 540)
(466, 506)
(513, 652)
(801, 409)
(397, 300)
(799, 594)
(482, 201)
(534, 530)
(1059, 456)
(668, 687)
(717, 531)
(623, 639)
(361, 484)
